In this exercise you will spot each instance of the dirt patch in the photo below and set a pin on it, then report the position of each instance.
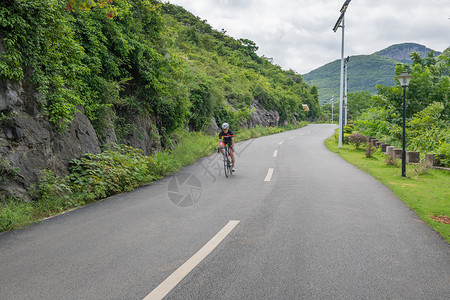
(442, 219)
(403, 184)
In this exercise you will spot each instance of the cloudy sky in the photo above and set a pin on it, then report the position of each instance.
(298, 34)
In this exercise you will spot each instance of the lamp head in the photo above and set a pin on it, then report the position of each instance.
(404, 79)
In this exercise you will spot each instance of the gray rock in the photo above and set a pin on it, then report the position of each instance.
(145, 136)
(31, 143)
(212, 129)
(263, 117)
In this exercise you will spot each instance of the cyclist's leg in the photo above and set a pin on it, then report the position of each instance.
(221, 146)
(232, 157)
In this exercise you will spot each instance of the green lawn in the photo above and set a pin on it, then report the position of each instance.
(426, 191)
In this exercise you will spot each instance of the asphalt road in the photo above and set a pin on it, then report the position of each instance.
(317, 228)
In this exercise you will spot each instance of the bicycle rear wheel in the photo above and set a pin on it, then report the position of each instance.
(229, 164)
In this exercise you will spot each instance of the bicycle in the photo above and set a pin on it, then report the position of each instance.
(227, 165)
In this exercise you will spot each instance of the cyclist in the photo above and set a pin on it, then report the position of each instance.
(226, 137)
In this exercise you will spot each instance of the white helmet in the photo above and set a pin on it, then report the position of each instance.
(225, 126)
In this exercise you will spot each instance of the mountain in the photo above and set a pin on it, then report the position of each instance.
(365, 72)
(401, 52)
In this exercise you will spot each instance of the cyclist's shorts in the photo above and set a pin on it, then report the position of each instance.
(228, 143)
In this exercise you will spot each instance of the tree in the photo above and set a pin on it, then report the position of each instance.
(87, 5)
(358, 102)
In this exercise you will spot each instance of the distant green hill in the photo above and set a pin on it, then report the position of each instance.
(364, 71)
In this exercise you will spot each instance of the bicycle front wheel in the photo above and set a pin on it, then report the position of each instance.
(225, 164)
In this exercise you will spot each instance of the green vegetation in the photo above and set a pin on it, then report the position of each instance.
(118, 169)
(426, 191)
(357, 103)
(365, 72)
(427, 110)
(151, 58)
(124, 60)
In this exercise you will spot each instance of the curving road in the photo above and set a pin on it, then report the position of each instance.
(314, 227)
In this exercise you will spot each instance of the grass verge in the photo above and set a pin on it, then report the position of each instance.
(118, 169)
(426, 191)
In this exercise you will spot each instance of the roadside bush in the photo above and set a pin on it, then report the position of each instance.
(164, 164)
(357, 139)
(346, 140)
(14, 213)
(416, 170)
(370, 150)
(51, 194)
(348, 128)
(444, 158)
(392, 161)
(120, 168)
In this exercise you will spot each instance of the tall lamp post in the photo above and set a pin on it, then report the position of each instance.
(404, 79)
(341, 94)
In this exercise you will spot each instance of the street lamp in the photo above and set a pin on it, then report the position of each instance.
(341, 94)
(404, 79)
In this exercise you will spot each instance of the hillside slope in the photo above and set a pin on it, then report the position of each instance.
(74, 80)
(365, 72)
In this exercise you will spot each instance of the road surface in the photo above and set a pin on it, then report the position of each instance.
(294, 222)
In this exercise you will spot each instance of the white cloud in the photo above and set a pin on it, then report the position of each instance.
(298, 34)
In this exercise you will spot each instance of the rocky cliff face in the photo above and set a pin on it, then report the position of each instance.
(401, 52)
(31, 144)
(261, 116)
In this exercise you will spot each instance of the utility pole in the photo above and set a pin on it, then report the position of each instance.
(341, 93)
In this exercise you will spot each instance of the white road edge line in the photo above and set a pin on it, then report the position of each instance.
(269, 174)
(275, 153)
(167, 285)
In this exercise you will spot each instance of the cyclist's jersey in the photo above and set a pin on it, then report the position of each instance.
(226, 136)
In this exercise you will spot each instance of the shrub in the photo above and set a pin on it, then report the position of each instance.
(13, 213)
(346, 140)
(392, 161)
(416, 170)
(120, 168)
(348, 128)
(52, 194)
(357, 139)
(444, 158)
(370, 150)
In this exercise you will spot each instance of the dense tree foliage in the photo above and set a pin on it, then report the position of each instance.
(151, 59)
(427, 107)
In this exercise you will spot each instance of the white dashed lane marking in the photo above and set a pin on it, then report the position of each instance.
(167, 285)
(269, 175)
